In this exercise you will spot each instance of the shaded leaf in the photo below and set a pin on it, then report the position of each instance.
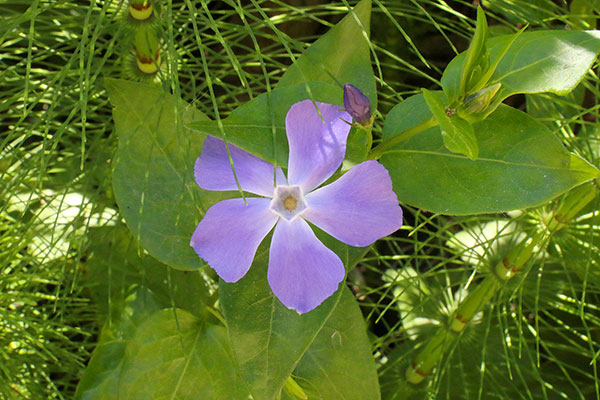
(116, 267)
(172, 354)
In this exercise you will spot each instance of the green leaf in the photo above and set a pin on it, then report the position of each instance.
(340, 56)
(542, 61)
(476, 57)
(116, 267)
(100, 379)
(582, 13)
(172, 355)
(268, 339)
(457, 133)
(258, 126)
(153, 170)
(338, 364)
(521, 164)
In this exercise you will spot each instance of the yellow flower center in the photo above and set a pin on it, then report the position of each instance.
(290, 203)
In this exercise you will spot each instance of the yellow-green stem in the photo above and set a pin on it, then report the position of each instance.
(378, 151)
(474, 301)
(429, 356)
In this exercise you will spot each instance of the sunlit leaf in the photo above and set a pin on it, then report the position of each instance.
(520, 164)
(153, 174)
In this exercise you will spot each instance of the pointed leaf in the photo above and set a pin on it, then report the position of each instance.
(475, 56)
(340, 56)
(521, 164)
(542, 61)
(339, 364)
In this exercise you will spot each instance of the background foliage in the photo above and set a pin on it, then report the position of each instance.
(73, 277)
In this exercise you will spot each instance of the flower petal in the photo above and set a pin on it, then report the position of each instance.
(302, 271)
(358, 208)
(317, 147)
(229, 234)
(213, 170)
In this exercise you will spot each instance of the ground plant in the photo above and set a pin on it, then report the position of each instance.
(269, 200)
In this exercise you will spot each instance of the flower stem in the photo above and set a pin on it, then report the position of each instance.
(378, 151)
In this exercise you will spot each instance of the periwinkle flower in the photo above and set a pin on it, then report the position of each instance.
(357, 209)
(357, 104)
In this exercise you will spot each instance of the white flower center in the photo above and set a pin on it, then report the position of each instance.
(288, 202)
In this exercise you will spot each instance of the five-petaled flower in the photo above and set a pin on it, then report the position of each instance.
(357, 209)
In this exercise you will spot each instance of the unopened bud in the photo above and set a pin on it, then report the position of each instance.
(357, 104)
(480, 100)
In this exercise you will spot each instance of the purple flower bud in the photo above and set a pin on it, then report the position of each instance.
(357, 104)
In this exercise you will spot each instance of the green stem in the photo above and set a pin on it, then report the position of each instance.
(474, 301)
(573, 202)
(378, 151)
(429, 356)
(571, 205)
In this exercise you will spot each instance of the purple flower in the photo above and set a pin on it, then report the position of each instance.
(357, 209)
(357, 104)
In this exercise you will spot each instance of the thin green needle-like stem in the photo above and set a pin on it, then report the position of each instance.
(380, 150)
(476, 300)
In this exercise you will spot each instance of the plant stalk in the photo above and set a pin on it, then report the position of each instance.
(379, 150)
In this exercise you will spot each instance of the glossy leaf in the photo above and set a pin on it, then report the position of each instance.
(340, 56)
(153, 170)
(457, 133)
(521, 164)
(542, 61)
(172, 354)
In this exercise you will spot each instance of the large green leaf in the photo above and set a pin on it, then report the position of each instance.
(340, 56)
(521, 164)
(338, 364)
(116, 267)
(153, 170)
(268, 339)
(100, 379)
(171, 355)
(259, 125)
(542, 61)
